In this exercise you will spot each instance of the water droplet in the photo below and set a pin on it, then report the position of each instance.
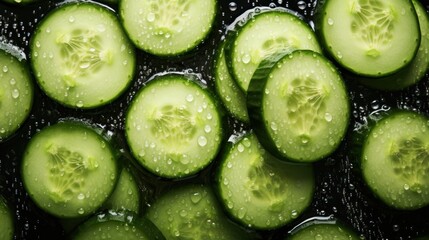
(318, 237)
(150, 17)
(328, 117)
(330, 21)
(79, 104)
(15, 93)
(71, 19)
(207, 129)
(81, 211)
(245, 58)
(304, 139)
(273, 126)
(301, 5)
(84, 65)
(406, 187)
(101, 28)
(196, 197)
(5, 69)
(81, 196)
(294, 214)
(190, 98)
(241, 213)
(240, 147)
(183, 213)
(202, 141)
(12, 81)
(232, 6)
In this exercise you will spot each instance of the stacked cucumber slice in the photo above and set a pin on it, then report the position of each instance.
(282, 83)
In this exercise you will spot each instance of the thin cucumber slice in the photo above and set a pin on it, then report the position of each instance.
(16, 92)
(69, 170)
(174, 126)
(126, 195)
(6, 221)
(229, 92)
(417, 69)
(263, 34)
(298, 105)
(370, 38)
(322, 228)
(192, 212)
(260, 191)
(395, 159)
(117, 225)
(80, 55)
(166, 27)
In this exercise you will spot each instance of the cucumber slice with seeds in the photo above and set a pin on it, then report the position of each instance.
(417, 69)
(6, 221)
(265, 32)
(69, 170)
(80, 55)
(167, 27)
(372, 38)
(260, 191)
(174, 126)
(299, 106)
(16, 92)
(395, 160)
(229, 92)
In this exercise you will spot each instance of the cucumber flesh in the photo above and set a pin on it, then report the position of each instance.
(16, 92)
(263, 34)
(80, 55)
(299, 106)
(395, 160)
(7, 222)
(260, 191)
(417, 69)
(166, 27)
(370, 38)
(174, 126)
(69, 170)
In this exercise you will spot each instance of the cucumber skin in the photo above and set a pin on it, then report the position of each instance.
(318, 18)
(315, 224)
(361, 161)
(254, 96)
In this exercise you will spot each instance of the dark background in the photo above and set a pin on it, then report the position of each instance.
(339, 192)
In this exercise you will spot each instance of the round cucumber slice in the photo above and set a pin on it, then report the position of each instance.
(323, 228)
(173, 126)
(69, 170)
(260, 191)
(16, 92)
(299, 106)
(117, 225)
(192, 212)
(6, 221)
(370, 38)
(81, 56)
(395, 159)
(265, 32)
(165, 27)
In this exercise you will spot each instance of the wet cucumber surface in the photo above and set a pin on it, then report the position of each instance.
(340, 190)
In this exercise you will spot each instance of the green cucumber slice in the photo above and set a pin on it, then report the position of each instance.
(298, 105)
(260, 191)
(6, 221)
(166, 27)
(117, 225)
(192, 212)
(370, 38)
(229, 92)
(263, 34)
(16, 92)
(174, 126)
(418, 67)
(395, 159)
(69, 170)
(322, 228)
(81, 56)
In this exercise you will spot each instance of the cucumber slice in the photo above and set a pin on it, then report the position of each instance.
(6, 221)
(19, 2)
(298, 106)
(173, 126)
(395, 159)
(117, 225)
(192, 212)
(263, 34)
(323, 228)
(260, 191)
(417, 69)
(229, 92)
(69, 170)
(167, 27)
(16, 92)
(81, 56)
(370, 38)
(126, 195)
